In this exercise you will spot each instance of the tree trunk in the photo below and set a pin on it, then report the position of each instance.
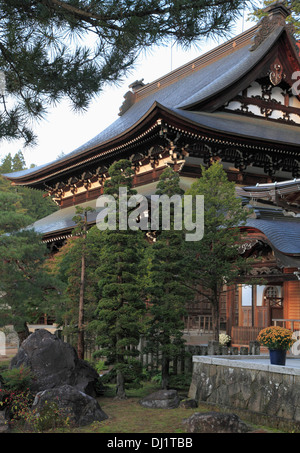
(22, 333)
(120, 390)
(216, 320)
(165, 372)
(80, 340)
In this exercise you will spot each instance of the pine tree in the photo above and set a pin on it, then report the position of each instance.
(81, 229)
(32, 201)
(25, 286)
(12, 216)
(7, 164)
(121, 308)
(18, 161)
(11, 163)
(66, 266)
(55, 49)
(214, 261)
(167, 295)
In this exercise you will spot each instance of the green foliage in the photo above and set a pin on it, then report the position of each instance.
(12, 217)
(16, 404)
(66, 266)
(28, 202)
(215, 260)
(15, 396)
(17, 399)
(80, 219)
(166, 292)
(25, 285)
(169, 183)
(157, 378)
(52, 50)
(34, 203)
(120, 309)
(21, 416)
(121, 174)
(99, 365)
(10, 164)
(180, 381)
(49, 417)
(16, 379)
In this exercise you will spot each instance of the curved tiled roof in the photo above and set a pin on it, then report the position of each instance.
(283, 234)
(192, 84)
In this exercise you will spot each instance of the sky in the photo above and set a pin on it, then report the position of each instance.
(62, 131)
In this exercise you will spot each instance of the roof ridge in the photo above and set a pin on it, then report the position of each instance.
(198, 63)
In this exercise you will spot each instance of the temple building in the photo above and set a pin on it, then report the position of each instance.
(239, 104)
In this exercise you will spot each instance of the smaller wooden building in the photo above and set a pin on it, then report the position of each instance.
(273, 240)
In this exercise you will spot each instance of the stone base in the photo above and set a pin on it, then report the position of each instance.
(249, 385)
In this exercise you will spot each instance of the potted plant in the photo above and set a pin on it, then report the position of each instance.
(278, 340)
(224, 339)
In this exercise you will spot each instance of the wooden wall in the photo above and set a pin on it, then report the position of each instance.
(292, 301)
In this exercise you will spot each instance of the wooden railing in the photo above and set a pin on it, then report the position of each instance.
(292, 324)
(199, 323)
(242, 335)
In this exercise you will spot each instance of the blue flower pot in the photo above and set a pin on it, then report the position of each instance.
(277, 356)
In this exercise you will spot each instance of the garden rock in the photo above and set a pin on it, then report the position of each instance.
(54, 363)
(214, 422)
(188, 403)
(163, 399)
(81, 409)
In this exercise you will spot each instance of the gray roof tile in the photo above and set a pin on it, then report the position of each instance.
(209, 78)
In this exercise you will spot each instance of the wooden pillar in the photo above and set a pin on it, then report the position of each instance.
(254, 295)
(230, 308)
(240, 312)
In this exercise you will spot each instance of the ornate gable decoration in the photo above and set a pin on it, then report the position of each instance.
(271, 95)
(269, 98)
(276, 73)
(276, 17)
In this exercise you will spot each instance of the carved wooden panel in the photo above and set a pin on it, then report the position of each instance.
(269, 97)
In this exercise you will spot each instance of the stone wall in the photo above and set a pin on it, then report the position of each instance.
(266, 389)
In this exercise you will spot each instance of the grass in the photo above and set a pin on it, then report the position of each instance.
(128, 416)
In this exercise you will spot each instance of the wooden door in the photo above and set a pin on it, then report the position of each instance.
(276, 310)
(262, 317)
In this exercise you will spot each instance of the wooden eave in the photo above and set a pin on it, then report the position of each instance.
(286, 195)
(148, 126)
(73, 162)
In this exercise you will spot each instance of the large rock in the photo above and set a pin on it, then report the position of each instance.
(54, 363)
(214, 422)
(81, 409)
(163, 399)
